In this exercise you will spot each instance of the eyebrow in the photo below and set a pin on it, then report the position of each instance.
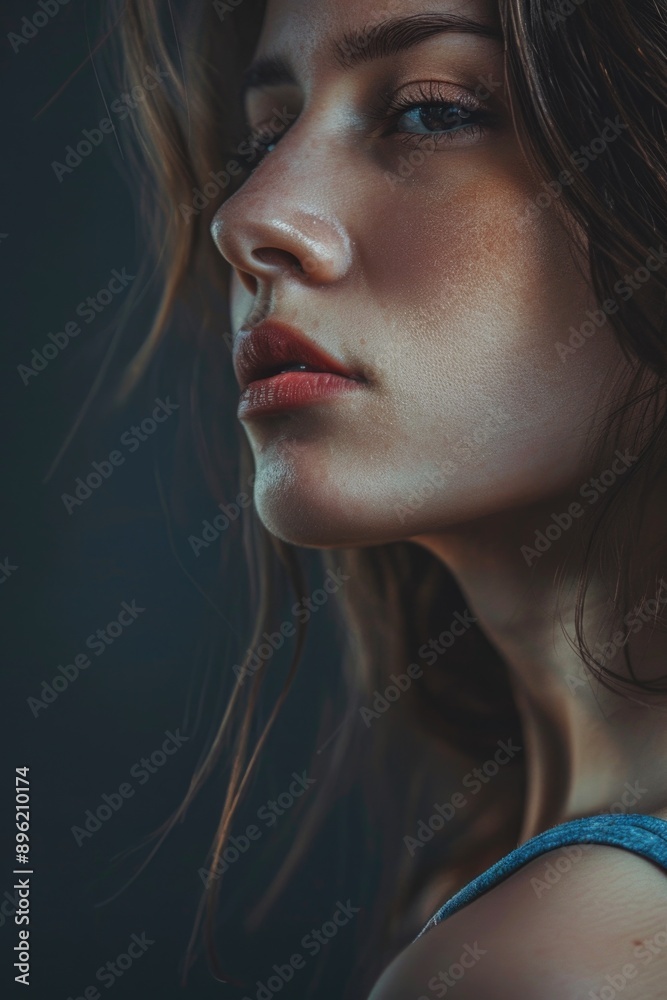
(375, 41)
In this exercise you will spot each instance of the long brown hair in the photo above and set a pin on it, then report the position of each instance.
(571, 68)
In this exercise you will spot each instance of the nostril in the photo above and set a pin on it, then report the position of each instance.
(277, 258)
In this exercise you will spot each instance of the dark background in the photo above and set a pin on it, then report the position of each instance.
(69, 571)
(60, 241)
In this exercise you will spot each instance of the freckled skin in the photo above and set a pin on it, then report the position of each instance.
(437, 291)
(430, 286)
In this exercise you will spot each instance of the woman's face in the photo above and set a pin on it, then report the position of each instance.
(395, 223)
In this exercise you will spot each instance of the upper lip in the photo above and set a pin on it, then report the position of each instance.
(272, 347)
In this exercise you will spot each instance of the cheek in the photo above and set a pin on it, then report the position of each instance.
(464, 256)
(457, 309)
(480, 298)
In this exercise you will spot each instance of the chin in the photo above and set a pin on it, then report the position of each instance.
(317, 504)
(304, 498)
(304, 510)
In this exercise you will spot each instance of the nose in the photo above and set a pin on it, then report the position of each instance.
(277, 228)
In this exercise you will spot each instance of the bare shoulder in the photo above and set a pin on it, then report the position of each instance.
(585, 922)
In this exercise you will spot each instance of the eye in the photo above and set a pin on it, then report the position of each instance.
(262, 142)
(422, 119)
(268, 117)
(426, 111)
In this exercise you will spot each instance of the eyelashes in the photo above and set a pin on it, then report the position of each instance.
(431, 111)
(426, 111)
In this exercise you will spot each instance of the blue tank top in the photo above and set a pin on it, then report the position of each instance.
(644, 835)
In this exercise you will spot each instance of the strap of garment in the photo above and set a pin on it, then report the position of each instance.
(643, 835)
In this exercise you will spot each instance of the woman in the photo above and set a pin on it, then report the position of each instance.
(444, 229)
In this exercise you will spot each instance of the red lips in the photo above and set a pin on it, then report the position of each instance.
(279, 369)
(273, 347)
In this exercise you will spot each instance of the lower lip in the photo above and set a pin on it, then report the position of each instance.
(292, 391)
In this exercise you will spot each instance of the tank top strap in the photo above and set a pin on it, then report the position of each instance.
(643, 835)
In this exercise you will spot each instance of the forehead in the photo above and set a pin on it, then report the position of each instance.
(309, 29)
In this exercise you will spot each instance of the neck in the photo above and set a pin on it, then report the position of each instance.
(588, 749)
